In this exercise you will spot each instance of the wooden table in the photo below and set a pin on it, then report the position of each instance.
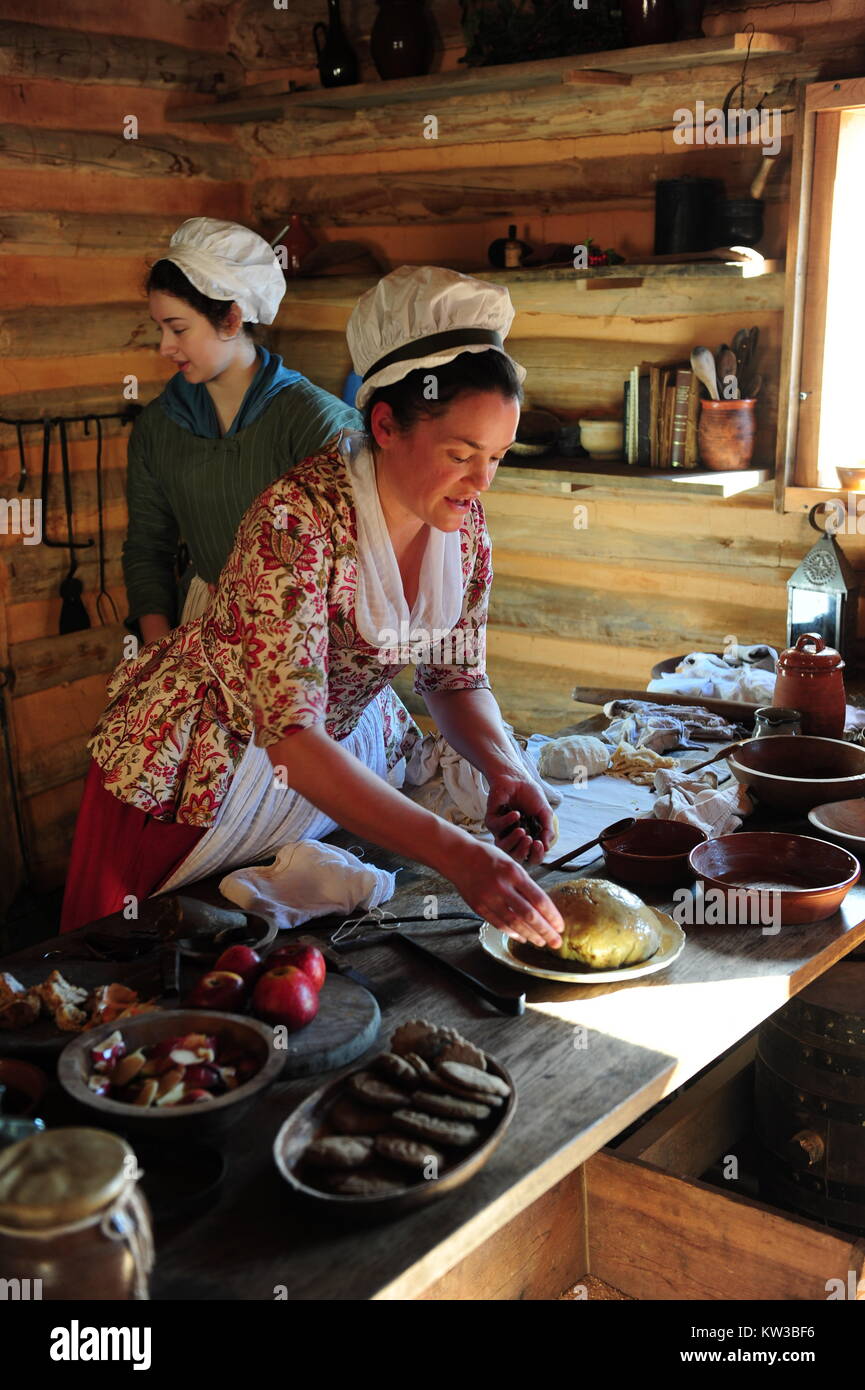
(587, 1060)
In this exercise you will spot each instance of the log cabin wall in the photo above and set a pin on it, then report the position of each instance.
(81, 206)
(651, 575)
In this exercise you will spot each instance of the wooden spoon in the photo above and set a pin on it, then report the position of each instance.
(703, 364)
(727, 368)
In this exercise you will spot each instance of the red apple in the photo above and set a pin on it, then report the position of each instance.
(286, 996)
(190, 1097)
(203, 1078)
(243, 961)
(218, 989)
(307, 958)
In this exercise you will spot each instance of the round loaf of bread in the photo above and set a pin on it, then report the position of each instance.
(605, 925)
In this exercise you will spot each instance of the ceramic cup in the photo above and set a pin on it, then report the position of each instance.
(726, 434)
(602, 439)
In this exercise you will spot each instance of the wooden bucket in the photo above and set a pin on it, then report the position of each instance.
(810, 1100)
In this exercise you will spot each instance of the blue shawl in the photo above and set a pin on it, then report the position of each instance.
(189, 404)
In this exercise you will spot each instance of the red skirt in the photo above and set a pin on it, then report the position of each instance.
(118, 853)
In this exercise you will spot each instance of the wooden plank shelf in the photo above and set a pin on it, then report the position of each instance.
(690, 288)
(578, 71)
(568, 475)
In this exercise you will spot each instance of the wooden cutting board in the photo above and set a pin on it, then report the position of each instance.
(347, 1023)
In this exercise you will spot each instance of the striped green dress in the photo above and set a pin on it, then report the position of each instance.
(182, 486)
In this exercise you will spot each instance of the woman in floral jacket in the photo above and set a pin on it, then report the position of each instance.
(271, 717)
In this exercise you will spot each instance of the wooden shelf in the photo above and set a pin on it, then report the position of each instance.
(635, 290)
(554, 476)
(576, 72)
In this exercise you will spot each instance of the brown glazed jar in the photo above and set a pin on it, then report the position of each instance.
(401, 42)
(811, 679)
(73, 1219)
(725, 435)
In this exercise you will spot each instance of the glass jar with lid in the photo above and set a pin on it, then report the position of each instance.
(73, 1218)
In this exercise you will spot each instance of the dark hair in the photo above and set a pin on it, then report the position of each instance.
(170, 279)
(471, 371)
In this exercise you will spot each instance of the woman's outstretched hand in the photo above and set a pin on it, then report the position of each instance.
(511, 798)
(501, 892)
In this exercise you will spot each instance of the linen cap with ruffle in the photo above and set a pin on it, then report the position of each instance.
(227, 261)
(424, 316)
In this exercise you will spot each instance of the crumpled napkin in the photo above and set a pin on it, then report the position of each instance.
(443, 781)
(308, 879)
(746, 674)
(699, 801)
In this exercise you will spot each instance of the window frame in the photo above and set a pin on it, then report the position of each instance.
(809, 228)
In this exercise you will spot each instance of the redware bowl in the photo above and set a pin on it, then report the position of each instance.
(652, 852)
(795, 772)
(811, 877)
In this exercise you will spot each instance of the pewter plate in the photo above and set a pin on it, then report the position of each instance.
(498, 944)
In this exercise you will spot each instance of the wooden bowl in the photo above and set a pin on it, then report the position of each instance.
(537, 434)
(652, 851)
(309, 1121)
(795, 772)
(810, 877)
(206, 1119)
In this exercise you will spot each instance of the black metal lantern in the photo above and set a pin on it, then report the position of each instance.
(823, 593)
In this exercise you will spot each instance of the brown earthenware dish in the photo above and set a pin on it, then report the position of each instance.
(795, 772)
(810, 877)
(652, 852)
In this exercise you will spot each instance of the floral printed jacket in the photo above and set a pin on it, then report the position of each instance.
(276, 652)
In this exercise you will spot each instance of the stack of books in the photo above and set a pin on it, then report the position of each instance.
(662, 407)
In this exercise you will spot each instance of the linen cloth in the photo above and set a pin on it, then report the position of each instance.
(437, 777)
(308, 880)
(380, 606)
(699, 801)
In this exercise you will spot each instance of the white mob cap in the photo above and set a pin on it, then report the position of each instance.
(226, 261)
(424, 316)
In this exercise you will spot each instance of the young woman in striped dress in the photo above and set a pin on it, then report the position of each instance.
(231, 420)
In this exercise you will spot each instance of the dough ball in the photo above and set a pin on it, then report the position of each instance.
(605, 926)
(563, 757)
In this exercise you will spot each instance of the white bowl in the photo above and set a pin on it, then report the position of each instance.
(602, 438)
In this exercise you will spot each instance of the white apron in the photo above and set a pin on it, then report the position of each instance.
(259, 815)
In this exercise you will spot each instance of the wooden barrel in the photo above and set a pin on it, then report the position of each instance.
(810, 1100)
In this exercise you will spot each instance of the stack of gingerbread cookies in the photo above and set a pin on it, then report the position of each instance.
(408, 1116)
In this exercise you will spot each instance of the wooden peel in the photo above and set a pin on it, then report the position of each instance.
(735, 710)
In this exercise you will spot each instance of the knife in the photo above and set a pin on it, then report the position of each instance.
(513, 1004)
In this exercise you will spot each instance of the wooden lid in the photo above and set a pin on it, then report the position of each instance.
(61, 1176)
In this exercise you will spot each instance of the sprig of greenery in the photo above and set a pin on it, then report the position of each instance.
(511, 31)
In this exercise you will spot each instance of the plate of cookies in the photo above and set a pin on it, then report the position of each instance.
(410, 1125)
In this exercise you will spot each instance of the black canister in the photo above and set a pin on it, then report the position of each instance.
(687, 215)
(741, 222)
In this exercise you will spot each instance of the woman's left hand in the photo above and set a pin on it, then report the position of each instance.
(518, 794)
